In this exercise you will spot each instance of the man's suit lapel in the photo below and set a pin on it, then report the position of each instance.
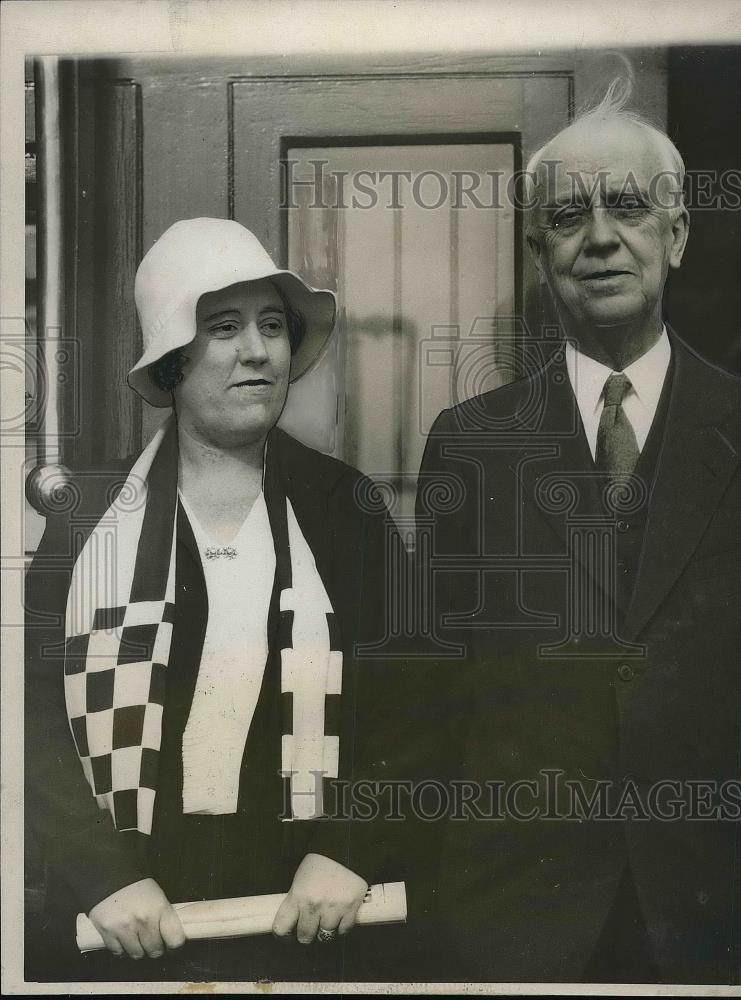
(699, 453)
(555, 466)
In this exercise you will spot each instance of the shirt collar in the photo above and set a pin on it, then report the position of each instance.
(648, 372)
(646, 375)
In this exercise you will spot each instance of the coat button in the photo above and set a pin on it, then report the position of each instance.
(623, 526)
(626, 672)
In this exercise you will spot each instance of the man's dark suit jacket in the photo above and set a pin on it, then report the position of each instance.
(661, 699)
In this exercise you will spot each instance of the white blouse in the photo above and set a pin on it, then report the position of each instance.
(235, 651)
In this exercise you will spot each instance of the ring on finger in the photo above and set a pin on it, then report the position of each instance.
(324, 936)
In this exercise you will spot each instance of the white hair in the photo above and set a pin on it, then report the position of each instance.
(612, 108)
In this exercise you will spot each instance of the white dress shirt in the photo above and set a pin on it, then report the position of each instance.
(647, 375)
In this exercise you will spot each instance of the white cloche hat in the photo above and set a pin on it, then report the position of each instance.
(195, 256)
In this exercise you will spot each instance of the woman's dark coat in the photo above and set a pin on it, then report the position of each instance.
(192, 857)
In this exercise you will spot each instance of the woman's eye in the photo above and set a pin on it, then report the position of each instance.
(273, 326)
(226, 329)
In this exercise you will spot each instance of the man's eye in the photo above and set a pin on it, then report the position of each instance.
(568, 217)
(629, 206)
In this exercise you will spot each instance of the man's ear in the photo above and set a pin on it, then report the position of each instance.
(680, 233)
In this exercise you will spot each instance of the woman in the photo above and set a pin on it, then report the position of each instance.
(205, 608)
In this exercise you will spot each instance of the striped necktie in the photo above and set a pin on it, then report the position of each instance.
(617, 448)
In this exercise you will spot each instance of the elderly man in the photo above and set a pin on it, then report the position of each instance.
(592, 576)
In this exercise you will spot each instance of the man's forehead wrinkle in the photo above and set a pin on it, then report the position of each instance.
(609, 181)
(569, 172)
(577, 184)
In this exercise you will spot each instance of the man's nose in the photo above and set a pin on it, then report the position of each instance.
(600, 230)
(251, 346)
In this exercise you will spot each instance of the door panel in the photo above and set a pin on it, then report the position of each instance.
(267, 114)
(420, 267)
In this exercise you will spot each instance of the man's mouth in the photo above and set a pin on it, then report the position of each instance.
(604, 274)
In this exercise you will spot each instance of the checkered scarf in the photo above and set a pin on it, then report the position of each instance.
(118, 633)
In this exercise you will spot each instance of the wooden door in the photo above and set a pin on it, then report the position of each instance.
(396, 190)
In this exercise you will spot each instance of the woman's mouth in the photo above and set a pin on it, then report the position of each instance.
(253, 385)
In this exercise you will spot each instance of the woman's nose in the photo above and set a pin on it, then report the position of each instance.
(251, 346)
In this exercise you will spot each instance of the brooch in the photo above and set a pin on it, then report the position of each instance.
(217, 551)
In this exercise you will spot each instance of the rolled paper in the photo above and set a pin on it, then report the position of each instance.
(244, 916)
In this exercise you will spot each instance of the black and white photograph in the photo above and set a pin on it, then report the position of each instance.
(371, 488)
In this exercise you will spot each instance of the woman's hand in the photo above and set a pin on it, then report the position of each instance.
(138, 920)
(323, 894)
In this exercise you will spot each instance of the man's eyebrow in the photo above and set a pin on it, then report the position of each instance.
(280, 308)
(577, 198)
(565, 202)
(621, 190)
